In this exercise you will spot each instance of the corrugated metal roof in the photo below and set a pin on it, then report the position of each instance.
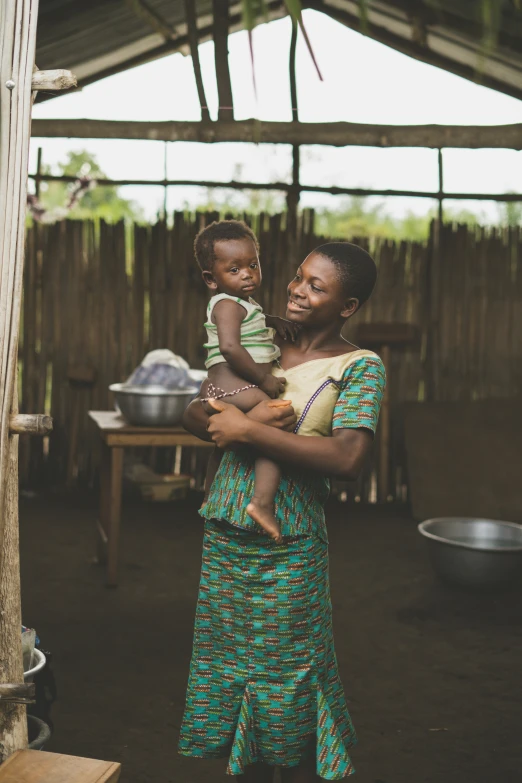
(95, 38)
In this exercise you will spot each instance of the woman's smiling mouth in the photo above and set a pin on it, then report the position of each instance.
(293, 305)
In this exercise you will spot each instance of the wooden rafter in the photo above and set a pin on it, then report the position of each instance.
(335, 134)
(151, 17)
(205, 33)
(413, 48)
(435, 14)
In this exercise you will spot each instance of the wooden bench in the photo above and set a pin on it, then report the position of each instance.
(38, 766)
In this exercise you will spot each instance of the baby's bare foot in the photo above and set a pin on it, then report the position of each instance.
(264, 516)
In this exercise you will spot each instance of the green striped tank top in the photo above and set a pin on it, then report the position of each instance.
(256, 336)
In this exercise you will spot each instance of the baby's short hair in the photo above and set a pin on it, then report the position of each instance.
(219, 231)
(355, 267)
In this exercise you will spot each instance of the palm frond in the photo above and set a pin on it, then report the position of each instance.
(252, 10)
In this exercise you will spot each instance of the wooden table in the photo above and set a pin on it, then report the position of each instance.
(116, 435)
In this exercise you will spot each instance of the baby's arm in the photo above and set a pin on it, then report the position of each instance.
(228, 316)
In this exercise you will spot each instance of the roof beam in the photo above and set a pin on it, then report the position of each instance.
(335, 134)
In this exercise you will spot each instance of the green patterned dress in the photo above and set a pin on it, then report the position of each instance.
(263, 683)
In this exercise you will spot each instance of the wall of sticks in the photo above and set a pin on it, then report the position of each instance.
(97, 297)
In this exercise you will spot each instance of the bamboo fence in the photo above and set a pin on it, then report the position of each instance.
(98, 297)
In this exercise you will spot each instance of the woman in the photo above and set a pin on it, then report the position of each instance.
(264, 688)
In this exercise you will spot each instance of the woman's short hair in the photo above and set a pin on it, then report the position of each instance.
(219, 231)
(355, 267)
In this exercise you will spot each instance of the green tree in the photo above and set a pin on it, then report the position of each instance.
(510, 213)
(236, 201)
(102, 201)
(355, 217)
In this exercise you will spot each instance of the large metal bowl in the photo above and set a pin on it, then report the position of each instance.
(152, 406)
(474, 552)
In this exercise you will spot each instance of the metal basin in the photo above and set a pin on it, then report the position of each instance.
(474, 552)
(38, 661)
(152, 406)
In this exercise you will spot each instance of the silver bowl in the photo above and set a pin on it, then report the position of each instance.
(474, 552)
(152, 406)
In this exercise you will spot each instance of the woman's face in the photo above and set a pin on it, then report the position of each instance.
(316, 296)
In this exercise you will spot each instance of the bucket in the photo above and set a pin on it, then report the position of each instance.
(37, 663)
(39, 733)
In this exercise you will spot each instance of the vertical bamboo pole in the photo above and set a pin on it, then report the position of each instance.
(37, 180)
(165, 177)
(441, 186)
(292, 199)
(17, 47)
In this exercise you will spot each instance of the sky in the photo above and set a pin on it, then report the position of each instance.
(364, 81)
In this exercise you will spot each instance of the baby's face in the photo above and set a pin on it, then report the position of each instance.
(236, 270)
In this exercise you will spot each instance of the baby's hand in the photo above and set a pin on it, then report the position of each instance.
(285, 329)
(272, 386)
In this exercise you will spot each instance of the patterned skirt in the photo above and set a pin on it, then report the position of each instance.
(263, 683)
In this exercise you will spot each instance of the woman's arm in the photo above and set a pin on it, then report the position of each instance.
(341, 455)
(273, 413)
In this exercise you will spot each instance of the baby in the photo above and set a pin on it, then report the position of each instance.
(240, 347)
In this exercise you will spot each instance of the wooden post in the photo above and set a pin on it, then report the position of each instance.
(192, 35)
(13, 724)
(17, 46)
(17, 82)
(225, 101)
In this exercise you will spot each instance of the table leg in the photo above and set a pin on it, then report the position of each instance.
(103, 520)
(114, 513)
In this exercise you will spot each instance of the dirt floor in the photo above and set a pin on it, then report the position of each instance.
(433, 676)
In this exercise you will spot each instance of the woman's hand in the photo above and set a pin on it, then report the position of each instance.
(275, 413)
(285, 329)
(228, 426)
